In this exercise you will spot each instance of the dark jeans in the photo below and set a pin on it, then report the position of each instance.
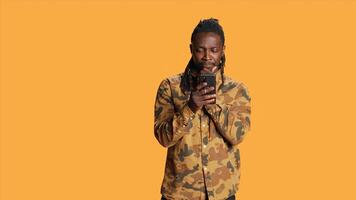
(230, 198)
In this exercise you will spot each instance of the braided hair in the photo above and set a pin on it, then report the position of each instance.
(206, 25)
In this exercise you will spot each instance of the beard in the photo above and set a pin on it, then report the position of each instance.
(203, 65)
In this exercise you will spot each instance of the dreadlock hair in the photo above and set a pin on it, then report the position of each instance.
(205, 25)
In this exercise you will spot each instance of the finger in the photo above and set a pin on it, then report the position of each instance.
(206, 90)
(214, 68)
(203, 91)
(213, 101)
(199, 93)
(202, 85)
(210, 89)
(209, 101)
(208, 96)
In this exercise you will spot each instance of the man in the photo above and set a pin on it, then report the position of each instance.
(202, 130)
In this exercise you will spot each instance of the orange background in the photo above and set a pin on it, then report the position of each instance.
(79, 79)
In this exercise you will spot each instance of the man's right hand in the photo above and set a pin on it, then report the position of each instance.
(199, 97)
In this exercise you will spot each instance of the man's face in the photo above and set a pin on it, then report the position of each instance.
(207, 50)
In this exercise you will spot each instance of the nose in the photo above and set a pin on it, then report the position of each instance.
(206, 55)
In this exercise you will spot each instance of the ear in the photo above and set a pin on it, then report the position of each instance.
(191, 48)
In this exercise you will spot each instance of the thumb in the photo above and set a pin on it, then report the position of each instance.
(214, 69)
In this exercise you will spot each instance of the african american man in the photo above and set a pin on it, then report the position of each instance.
(201, 125)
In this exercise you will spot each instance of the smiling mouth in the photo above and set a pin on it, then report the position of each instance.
(210, 69)
(207, 64)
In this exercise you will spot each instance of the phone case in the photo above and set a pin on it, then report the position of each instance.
(208, 78)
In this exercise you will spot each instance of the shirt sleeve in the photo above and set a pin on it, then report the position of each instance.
(232, 121)
(170, 125)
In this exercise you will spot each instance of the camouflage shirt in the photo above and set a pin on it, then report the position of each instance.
(203, 154)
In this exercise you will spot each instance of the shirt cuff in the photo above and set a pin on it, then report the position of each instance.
(213, 110)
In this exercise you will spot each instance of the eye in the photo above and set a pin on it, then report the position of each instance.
(199, 50)
(214, 50)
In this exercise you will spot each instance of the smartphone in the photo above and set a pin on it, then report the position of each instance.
(209, 78)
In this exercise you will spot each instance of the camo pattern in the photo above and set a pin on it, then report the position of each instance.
(203, 155)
